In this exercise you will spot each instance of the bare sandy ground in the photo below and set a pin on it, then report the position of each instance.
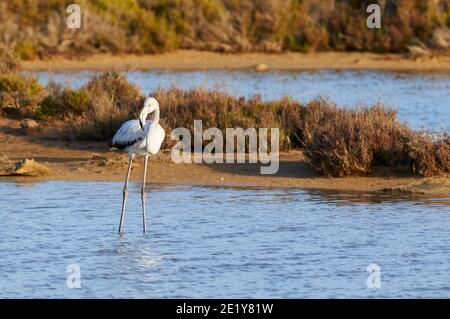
(199, 60)
(88, 161)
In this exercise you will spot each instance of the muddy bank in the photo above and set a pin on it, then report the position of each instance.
(200, 60)
(90, 161)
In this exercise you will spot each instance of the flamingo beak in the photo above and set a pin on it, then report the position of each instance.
(142, 117)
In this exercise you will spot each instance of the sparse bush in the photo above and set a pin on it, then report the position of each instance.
(102, 119)
(62, 102)
(111, 100)
(9, 61)
(75, 101)
(219, 109)
(342, 142)
(429, 153)
(123, 94)
(19, 94)
(49, 106)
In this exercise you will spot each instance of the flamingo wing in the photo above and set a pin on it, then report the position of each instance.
(128, 134)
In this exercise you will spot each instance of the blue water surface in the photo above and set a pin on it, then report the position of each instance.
(219, 242)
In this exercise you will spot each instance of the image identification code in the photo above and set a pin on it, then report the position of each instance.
(226, 308)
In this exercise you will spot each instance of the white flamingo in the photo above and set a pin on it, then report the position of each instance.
(139, 138)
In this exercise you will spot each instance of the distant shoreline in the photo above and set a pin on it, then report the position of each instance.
(188, 60)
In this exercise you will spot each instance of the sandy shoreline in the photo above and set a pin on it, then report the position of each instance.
(200, 60)
(90, 161)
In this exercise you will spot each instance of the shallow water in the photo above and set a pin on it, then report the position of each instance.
(422, 100)
(220, 242)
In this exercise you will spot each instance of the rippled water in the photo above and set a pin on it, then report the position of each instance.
(422, 100)
(220, 242)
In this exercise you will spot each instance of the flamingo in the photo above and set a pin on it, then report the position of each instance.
(139, 138)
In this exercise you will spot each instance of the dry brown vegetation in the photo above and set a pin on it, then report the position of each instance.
(342, 142)
(219, 109)
(336, 141)
(9, 60)
(36, 28)
(110, 101)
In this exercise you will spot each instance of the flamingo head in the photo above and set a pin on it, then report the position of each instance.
(150, 106)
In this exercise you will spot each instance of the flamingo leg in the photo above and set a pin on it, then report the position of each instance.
(143, 194)
(125, 194)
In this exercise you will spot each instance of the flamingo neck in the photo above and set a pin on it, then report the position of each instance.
(156, 116)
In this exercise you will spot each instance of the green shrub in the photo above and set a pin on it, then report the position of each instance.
(75, 101)
(62, 102)
(49, 106)
(19, 94)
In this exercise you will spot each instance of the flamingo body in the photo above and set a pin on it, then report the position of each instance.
(131, 139)
(140, 137)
